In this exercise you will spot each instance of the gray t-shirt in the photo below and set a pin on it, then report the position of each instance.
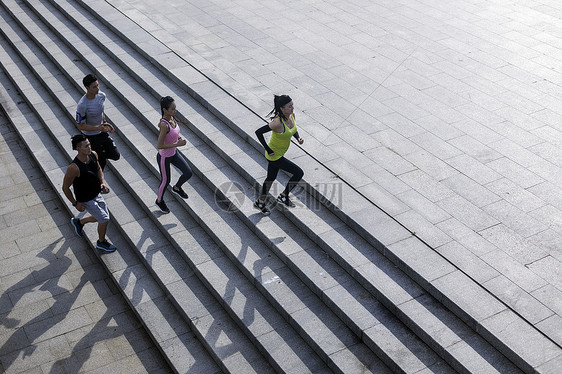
(90, 112)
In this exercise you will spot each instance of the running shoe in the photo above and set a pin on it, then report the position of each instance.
(77, 226)
(180, 192)
(286, 201)
(261, 207)
(106, 246)
(162, 206)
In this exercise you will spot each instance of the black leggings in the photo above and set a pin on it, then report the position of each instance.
(104, 147)
(164, 164)
(272, 171)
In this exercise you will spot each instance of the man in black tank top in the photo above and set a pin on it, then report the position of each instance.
(85, 176)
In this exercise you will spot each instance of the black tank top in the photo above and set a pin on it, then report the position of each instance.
(87, 185)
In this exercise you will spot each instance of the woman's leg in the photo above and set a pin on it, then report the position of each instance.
(164, 166)
(291, 168)
(178, 161)
(272, 171)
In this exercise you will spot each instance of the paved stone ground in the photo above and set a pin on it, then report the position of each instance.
(59, 312)
(446, 114)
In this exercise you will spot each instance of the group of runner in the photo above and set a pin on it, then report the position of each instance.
(94, 147)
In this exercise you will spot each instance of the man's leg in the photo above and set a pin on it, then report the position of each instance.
(110, 151)
(98, 209)
(79, 223)
(102, 229)
(88, 219)
(96, 141)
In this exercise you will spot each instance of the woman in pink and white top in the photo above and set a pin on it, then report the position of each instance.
(168, 140)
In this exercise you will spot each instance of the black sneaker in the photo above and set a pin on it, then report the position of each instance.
(106, 246)
(162, 206)
(77, 226)
(286, 201)
(178, 191)
(261, 207)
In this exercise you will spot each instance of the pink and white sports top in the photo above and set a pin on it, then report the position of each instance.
(171, 137)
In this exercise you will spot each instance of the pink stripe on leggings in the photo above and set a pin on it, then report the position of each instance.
(164, 182)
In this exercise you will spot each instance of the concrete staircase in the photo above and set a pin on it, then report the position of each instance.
(324, 287)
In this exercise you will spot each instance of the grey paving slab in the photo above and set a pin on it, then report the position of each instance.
(471, 190)
(432, 212)
(494, 364)
(459, 293)
(467, 261)
(418, 223)
(536, 354)
(318, 321)
(514, 245)
(467, 213)
(518, 299)
(180, 349)
(515, 219)
(392, 340)
(553, 325)
(384, 229)
(424, 262)
(549, 268)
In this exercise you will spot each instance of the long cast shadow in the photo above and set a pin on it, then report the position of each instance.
(58, 264)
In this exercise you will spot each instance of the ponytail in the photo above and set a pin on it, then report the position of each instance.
(278, 102)
(165, 103)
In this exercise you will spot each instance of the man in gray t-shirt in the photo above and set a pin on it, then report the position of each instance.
(90, 119)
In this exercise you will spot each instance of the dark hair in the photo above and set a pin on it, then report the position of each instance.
(89, 79)
(278, 102)
(165, 103)
(77, 139)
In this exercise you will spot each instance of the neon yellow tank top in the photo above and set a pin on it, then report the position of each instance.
(279, 143)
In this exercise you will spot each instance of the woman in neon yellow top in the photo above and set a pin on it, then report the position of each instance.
(283, 127)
